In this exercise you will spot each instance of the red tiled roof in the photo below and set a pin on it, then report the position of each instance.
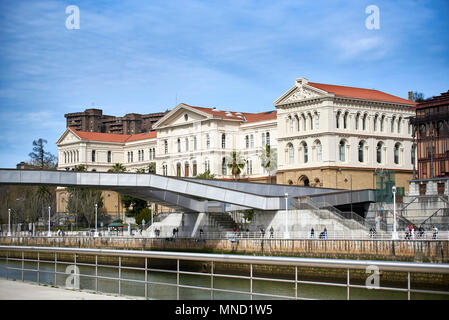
(113, 137)
(254, 117)
(360, 93)
(242, 116)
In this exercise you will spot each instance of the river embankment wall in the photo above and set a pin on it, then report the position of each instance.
(435, 251)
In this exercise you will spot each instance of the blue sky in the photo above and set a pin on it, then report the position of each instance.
(144, 56)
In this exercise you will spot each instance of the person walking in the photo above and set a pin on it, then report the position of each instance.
(271, 232)
(312, 233)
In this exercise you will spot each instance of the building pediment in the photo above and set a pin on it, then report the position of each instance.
(182, 114)
(68, 137)
(300, 92)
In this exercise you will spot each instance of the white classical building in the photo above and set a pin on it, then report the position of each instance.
(334, 136)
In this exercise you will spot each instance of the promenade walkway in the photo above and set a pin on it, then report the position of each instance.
(18, 290)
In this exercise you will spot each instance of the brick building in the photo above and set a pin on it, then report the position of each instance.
(93, 120)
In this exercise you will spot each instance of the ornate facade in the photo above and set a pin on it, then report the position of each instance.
(338, 137)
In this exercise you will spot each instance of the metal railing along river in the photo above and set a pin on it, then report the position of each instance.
(14, 264)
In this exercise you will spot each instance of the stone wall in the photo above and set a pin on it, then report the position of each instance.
(401, 250)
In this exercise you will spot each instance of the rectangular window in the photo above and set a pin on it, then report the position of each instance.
(93, 155)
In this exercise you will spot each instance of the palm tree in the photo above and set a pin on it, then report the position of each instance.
(117, 168)
(235, 162)
(140, 170)
(152, 167)
(268, 159)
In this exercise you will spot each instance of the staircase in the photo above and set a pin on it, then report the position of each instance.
(223, 221)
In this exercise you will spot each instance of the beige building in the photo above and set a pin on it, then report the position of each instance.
(337, 137)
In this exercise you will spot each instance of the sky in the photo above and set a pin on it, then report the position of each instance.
(148, 56)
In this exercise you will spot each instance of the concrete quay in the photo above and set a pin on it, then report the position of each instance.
(18, 290)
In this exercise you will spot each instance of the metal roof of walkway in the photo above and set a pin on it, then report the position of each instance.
(195, 195)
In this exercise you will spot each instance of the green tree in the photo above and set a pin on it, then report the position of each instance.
(81, 201)
(144, 214)
(140, 170)
(206, 175)
(152, 167)
(117, 168)
(236, 163)
(133, 205)
(417, 96)
(41, 158)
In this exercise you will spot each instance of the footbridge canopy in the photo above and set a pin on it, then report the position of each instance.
(187, 194)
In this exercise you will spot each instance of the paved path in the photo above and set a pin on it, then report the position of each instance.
(18, 290)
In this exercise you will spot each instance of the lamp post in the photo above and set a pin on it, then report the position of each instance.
(96, 221)
(394, 236)
(49, 221)
(9, 223)
(286, 235)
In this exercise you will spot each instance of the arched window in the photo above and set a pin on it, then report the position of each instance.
(310, 121)
(382, 120)
(165, 146)
(207, 165)
(364, 122)
(194, 169)
(345, 120)
(317, 120)
(379, 152)
(164, 170)
(268, 138)
(247, 142)
(338, 120)
(263, 139)
(392, 123)
(297, 123)
(195, 143)
(399, 125)
(109, 156)
(341, 150)
(319, 151)
(187, 144)
(357, 119)
(93, 155)
(186, 169)
(224, 170)
(251, 141)
(223, 141)
(178, 169)
(207, 141)
(290, 123)
(361, 151)
(306, 152)
(396, 153)
(304, 122)
(375, 122)
(291, 153)
(179, 145)
(65, 157)
(77, 156)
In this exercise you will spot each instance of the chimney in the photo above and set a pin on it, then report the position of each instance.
(410, 95)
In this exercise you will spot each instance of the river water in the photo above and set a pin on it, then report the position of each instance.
(161, 290)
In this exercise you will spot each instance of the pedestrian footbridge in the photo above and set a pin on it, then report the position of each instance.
(189, 194)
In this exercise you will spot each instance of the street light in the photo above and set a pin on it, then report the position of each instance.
(9, 223)
(49, 221)
(286, 235)
(96, 221)
(394, 236)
